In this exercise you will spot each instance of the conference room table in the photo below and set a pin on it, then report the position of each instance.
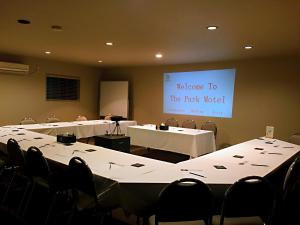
(106, 164)
(192, 142)
(82, 129)
(258, 157)
(141, 179)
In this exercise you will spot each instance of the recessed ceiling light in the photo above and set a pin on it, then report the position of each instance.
(109, 43)
(99, 61)
(158, 55)
(248, 47)
(23, 21)
(56, 28)
(212, 27)
(47, 52)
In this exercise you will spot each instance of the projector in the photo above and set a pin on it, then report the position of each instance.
(116, 118)
(66, 138)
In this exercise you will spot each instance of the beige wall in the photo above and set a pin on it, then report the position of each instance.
(25, 95)
(267, 92)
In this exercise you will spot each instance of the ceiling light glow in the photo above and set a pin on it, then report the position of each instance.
(158, 55)
(109, 43)
(99, 61)
(248, 47)
(47, 52)
(212, 27)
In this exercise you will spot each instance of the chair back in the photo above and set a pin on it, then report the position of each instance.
(16, 157)
(81, 177)
(36, 164)
(295, 139)
(209, 125)
(291, 194)
(184, 200)
(172, 122)
(108, 117)
(292, 175)
(81, 118)
(52, 119)
(249, 196)
(27, 120)
(189, 124)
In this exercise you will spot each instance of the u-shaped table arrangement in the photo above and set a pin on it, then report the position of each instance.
(140, 179)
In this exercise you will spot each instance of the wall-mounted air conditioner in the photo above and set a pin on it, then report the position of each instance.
(13, 68)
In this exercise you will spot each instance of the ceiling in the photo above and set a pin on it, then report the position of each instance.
(141, 28)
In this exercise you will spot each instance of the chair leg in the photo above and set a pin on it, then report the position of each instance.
(102, 220)
(28, 199)
(221, 220)
(7, 189)
(145, 221)
(28, 184)
(50, 209)
(208, 221)
(23, 197)
(51, 214)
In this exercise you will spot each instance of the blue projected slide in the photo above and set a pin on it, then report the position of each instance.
(200, 93)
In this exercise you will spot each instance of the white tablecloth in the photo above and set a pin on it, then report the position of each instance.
(82, 129)
(191, 142)
(139, 186)
(256, 157)
(103, 162)
(254, 162)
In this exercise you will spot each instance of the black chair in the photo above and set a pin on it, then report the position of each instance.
(16, 158)
(185, 200)
(211, 126)
(92, 198)
(189, 124)
(248, 197)
(52, 119)
(172, 122)
(9, 217)
(19, 183)
(295, 139)
(290, 207)
(45, 190)
(36, 165)
(27, 120)
(38, 170)
(292, 175)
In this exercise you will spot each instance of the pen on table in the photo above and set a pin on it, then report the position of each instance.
(253, 164)
(117, 164)
(196, 174)
(43, 145)
(190, 170)
(76, 150)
